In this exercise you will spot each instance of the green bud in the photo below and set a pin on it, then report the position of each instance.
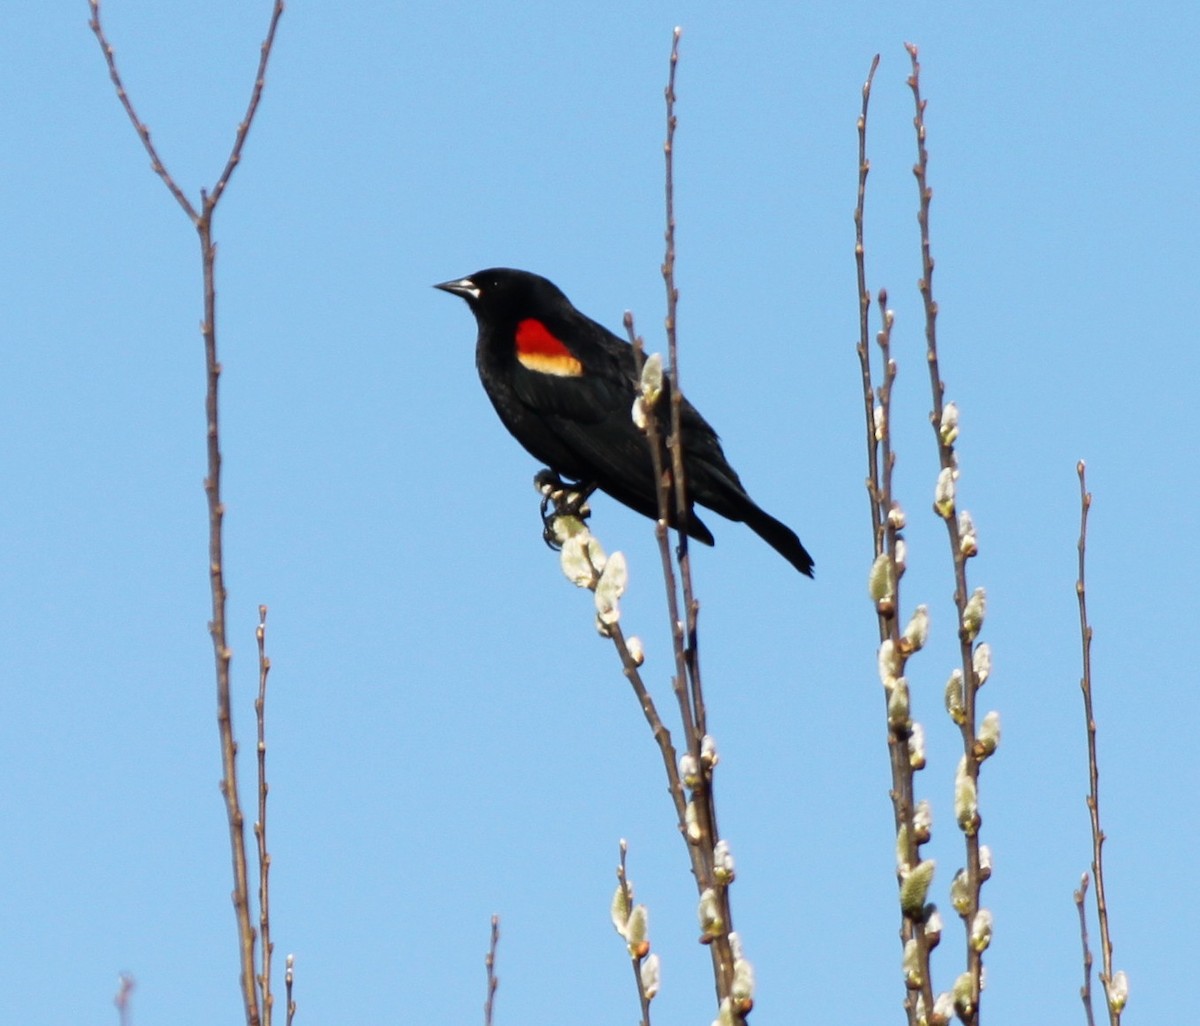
(914, 887)
(964, 996)
(972, 619)
(880, 583)
(619, 910)
(917, 632)
(712, 924)
(955, 703)
(966, 800)
(651, 382)
(577, 557)
(960, 893)
(609, 589)
(981, 930)
(943, 494)
(948, 429)
(898, 706)
(723, 867)
(689, 770)
(989, 735)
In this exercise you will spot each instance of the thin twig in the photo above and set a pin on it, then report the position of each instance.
(243, 129)
(493, 981)
(662, 737)
(700, 852)
(289, 978)
(1093, 798)
(702, 795)
(960, 553)
(864, 318)
(635, 959)
(683, 507)
(202, 221)
(886, 534)
(1085, 992)
(124, 998)
(260, 827)
(139, 126)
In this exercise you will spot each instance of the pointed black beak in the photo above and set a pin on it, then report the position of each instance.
(463, 287)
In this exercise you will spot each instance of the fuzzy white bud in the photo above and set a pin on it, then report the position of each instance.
(973, 614)
(960, 892)
(981, 930)
(1117, 991)
(989, 735)
(968, 544)
(889, 667)
(922, 821)
(619, 909)
(964, 996)
(723, 867)
(914, 886)
(689, 770)
(916, 747)
(637, 931)
(651, 976)
(712, 924)
(943, 493)
(981, 662)
(948, 429)
(911, 963)
(916, 633)
(966, 799)
(610, 587)
(955, 702)
(880, 582)
(637, 654)
(692, 823)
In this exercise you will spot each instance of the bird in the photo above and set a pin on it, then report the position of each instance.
(564, 387)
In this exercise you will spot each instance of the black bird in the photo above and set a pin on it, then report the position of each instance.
(564, 387)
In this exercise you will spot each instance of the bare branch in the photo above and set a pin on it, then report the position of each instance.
(1093, 798)
(243, 129)
(1085, 992)
(202, 221)
(260, 827)
(493, 981)
(138, 125)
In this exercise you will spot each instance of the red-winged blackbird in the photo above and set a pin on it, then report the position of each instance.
(564, 387)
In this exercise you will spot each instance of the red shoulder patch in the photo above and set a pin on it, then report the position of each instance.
(539, 350)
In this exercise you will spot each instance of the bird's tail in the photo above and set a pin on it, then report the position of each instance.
(779, 536)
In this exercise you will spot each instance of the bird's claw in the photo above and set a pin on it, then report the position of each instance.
(560, 499)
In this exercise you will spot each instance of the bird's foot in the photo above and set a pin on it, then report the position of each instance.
(561, 499)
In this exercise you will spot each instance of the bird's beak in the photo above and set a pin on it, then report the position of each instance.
(460, 287)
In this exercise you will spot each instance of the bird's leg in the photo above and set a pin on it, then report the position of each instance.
(561, 499)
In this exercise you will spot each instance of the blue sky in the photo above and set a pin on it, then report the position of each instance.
(448, 737)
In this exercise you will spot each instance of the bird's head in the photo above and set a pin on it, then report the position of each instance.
(501, 294)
